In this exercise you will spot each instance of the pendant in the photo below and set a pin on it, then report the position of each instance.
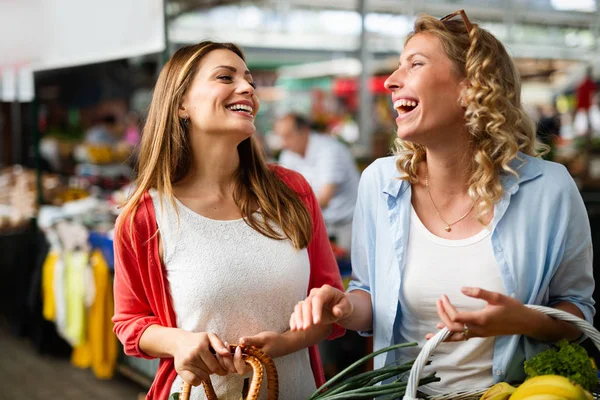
(447, 228)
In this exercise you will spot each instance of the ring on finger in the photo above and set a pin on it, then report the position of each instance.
(466, 333)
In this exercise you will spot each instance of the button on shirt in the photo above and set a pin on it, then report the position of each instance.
(540, 235)
(327, 161)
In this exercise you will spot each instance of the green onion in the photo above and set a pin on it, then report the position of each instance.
(337, 378)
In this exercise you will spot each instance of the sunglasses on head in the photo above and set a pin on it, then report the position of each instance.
(464, 17)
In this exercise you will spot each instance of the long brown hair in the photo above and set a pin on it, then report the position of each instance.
(498, 124)
(165, 157)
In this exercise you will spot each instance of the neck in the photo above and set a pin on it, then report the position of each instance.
(448, 167)
(214, 165)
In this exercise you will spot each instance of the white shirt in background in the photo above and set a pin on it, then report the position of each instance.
(328, 161)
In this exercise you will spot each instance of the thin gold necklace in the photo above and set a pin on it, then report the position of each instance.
(448, 227)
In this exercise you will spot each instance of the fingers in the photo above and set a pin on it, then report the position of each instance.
(296, 320)
(486, 295)
(218, 346)
(317, 303)
(238, 361)
(446, 312)
(226, 362)
(323, 305)
(307, 313)
(193, 375)
(256, 341)
(209, 359)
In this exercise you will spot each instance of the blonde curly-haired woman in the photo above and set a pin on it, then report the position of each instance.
(466, 223)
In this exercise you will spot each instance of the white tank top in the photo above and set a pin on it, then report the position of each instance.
(227, 278)
(437, 266)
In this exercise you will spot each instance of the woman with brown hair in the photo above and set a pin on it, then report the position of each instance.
(215, 246)
(466, 223)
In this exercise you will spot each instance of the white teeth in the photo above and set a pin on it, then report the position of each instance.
(240, 107)
(405, 103)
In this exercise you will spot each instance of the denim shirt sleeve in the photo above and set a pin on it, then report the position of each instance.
(573, 279)
(363, 237)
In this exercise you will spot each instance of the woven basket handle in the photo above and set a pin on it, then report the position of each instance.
(260, 362)
(427, 350)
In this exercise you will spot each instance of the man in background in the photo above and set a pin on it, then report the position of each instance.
(328, 166)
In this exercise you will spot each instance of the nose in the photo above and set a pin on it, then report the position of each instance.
(245, 87)
(394, 81)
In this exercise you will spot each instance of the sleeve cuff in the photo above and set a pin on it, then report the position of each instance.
(138, 352)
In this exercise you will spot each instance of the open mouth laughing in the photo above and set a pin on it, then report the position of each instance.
(405, 106)
(245, 108)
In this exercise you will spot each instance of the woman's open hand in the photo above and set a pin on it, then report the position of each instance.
(502, 315)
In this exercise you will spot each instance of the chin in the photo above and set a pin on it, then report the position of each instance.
(409, 136)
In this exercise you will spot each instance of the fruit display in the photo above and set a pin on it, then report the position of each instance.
(550, 385)
(543, 387)
(500, 391)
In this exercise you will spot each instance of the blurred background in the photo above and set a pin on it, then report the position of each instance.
(76, 79)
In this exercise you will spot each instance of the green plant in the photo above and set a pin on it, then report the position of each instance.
(367, 384)
(565, 359)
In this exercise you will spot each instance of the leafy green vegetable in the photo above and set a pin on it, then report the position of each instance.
(567, 359)
(368, 385)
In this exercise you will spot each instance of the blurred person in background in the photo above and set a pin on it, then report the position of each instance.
(103, 132)
(328, 166)
(584, 93)
(213, 237)
(548, 127)
(465, 224)
(132, 129)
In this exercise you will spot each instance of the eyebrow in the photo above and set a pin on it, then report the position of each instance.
(412, 55)
(232, 69)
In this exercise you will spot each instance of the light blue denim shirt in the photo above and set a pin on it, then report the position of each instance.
(540, 236)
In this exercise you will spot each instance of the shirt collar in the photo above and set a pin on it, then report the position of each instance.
(526, 167)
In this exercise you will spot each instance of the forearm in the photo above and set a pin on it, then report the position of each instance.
(161, 342)
(326, 194)
(547, 329)
(361, 318)
(299, 340)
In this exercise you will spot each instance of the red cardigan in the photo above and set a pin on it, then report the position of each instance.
(142, 292)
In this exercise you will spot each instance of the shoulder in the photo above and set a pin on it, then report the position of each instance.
(292, 179)
(381, 171)
(545, 173)
(144, 220)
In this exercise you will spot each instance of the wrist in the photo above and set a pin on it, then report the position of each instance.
(177, 338)
(532, 321)
(344, 319)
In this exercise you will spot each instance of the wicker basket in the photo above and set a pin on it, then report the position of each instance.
(426, 352)
(260, 362)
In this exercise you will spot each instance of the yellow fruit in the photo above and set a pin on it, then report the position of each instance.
(546, 397)
(549, 385)
(500, 391)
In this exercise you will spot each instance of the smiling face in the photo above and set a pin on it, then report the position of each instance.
(426, 92)
(221, 97)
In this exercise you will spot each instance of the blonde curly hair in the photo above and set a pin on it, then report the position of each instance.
(498, 125)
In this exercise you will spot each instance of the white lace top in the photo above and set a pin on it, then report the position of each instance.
(228, 279)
